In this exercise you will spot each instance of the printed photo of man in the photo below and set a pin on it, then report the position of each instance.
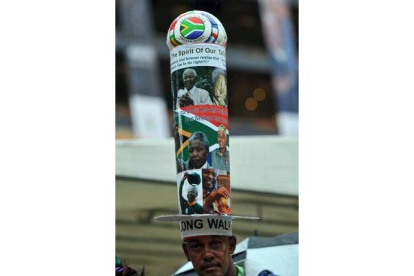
(216, 199)
(198, 149)
(190, 94)
(220, 157)
(220, 87)
(190, 206)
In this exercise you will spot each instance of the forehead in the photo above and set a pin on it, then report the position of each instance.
(188, 73)
(196, 143)
(205, 239)
(209, 171)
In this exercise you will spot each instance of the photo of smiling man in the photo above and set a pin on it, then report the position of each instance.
(216, 198)
(190, 94)
(220, 157)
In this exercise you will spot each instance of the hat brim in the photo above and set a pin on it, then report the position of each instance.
(195, 216)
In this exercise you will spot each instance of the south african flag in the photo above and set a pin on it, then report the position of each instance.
(192, 28)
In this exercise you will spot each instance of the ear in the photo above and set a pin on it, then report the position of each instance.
(186, 251)
(232, 242)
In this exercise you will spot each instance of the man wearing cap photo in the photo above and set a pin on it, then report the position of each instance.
(190, 206)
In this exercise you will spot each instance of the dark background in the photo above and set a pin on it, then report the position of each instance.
(248, 63)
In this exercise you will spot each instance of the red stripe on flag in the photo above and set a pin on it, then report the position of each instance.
(195, 20)
(217, 115)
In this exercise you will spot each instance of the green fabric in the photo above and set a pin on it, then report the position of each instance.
(193, 209)
(220, 161)
(240, 270)
(118, 262)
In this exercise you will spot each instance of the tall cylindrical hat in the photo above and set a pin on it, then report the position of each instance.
(197, 41)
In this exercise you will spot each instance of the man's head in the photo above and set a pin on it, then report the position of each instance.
(211, 255)
(192, 194)
(189, 77)
(198, 148)
(209, 178)
(221, 137)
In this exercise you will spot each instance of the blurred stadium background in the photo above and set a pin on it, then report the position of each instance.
(262, 70)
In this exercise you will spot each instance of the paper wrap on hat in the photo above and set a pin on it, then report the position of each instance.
(200, 103)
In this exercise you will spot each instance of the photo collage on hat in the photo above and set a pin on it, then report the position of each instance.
(199, 86)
